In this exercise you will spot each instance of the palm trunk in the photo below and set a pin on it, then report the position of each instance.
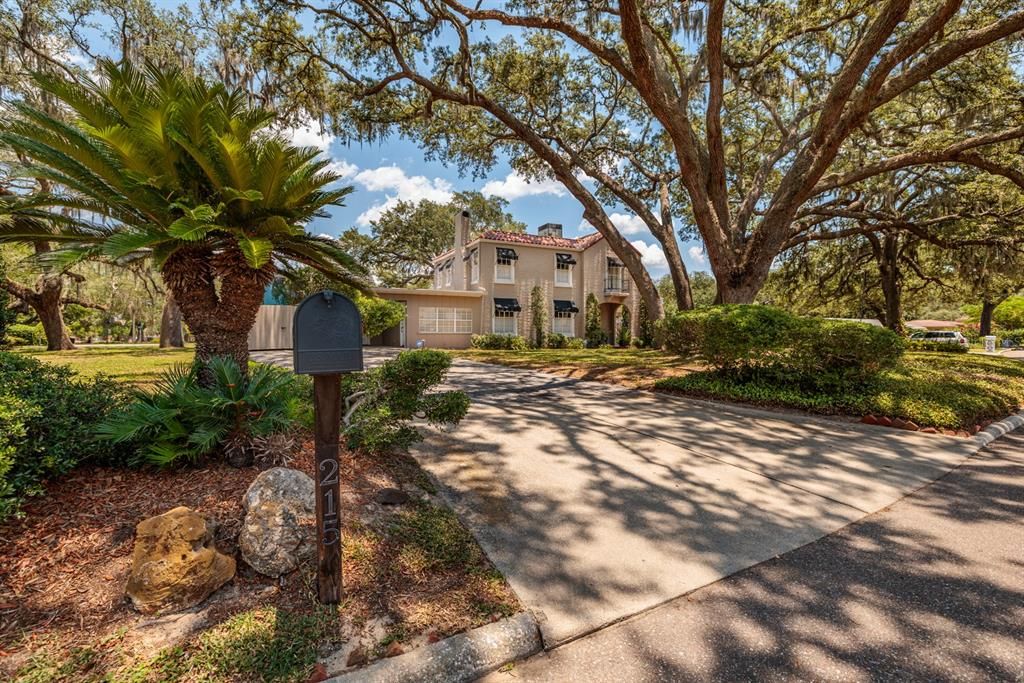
(171, 335)
(219, 318)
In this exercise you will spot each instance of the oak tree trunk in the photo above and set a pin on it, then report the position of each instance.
(888, 268)
(987, 308)
(49, 309)
(171, 334)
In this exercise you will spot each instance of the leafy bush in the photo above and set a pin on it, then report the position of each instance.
(560, 341)
(839, 352)
(21, 334)
(942, 347)
(748, 340)
(538, 317)
(1010, 313)
(1015, 337)
(498, 342)
(381, 404)
(180, 419)
(48, 419)
(378, 315)
(645, 328)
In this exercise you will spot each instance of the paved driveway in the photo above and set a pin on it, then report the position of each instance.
(598, 502)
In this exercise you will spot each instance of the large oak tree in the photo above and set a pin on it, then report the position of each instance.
(721, 119)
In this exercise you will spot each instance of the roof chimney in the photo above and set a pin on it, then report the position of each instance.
(550, 230)
(462, 224)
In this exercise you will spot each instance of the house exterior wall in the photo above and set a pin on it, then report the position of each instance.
(416, 300)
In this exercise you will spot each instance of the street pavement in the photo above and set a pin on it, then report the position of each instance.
(598, 503)
(929, 589)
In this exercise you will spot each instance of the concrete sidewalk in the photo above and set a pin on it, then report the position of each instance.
(929, 589)
(598, 502)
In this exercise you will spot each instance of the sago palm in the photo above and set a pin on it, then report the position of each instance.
(161, 164)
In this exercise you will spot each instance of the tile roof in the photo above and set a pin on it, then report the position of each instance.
(542, 240)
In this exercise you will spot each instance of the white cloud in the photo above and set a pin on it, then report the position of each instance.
(515, 186)
(342, 168)
(309, 134)
(628, 224)
(652, 254)
(697, 254)
(401, 187)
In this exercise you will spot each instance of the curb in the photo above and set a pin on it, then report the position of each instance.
(998, 429)
(463, 657)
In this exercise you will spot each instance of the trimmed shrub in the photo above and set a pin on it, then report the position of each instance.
(624, 336)
(48, 421)
(538, 317)
(747, 340)
(20, 334)
(575, 344)
(593, 333)
(1015, 337)
(645, 328)
(381, 404)
(556, 340)
(182, 420)
(498, 342)
(941, 347)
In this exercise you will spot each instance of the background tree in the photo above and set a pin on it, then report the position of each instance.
(404, 240)
(737, 114)
(185, 173)
(644, 326)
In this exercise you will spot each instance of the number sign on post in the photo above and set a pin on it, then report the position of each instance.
(327, 340)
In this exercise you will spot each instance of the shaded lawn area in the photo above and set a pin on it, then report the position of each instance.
(941, 390)
(136, 364)
(634, 368)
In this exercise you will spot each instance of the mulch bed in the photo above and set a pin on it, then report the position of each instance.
(64, 565)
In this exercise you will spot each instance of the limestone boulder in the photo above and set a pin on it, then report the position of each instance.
(174, 563)
(279, 530)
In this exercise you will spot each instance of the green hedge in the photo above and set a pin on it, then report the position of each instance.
(19, 334)
(761, 341)
(48, 420)
(942, 347)
(498, 342)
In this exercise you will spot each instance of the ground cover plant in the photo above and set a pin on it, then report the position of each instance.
(941, 390)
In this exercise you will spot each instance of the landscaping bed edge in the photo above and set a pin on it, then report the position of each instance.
(462, 657)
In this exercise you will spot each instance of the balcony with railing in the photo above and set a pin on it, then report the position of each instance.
(616, 284)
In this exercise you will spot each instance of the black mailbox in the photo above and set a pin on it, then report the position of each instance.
(327, 335)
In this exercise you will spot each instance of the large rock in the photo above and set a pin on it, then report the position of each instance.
(174, 563)
(279, 531)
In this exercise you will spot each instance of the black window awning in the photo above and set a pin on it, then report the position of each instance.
(506, 253)
(614, 262)
(567, 259)
(469, 254)
(506, 305)
(562, 306)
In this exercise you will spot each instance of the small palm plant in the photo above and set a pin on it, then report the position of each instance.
(180, 419)
(163, 165)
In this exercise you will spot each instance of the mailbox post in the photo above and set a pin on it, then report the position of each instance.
(326, 342)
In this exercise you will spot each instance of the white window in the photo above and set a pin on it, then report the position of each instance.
(505, 265)
(562, 323)
(563, 274)
(504, 322)
(435, 320)
(474, 267)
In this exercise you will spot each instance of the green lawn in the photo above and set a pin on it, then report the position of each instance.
(637, 368)
(137, 364)
(943, 390)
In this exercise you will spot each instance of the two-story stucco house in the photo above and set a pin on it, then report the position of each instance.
(483, 286)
